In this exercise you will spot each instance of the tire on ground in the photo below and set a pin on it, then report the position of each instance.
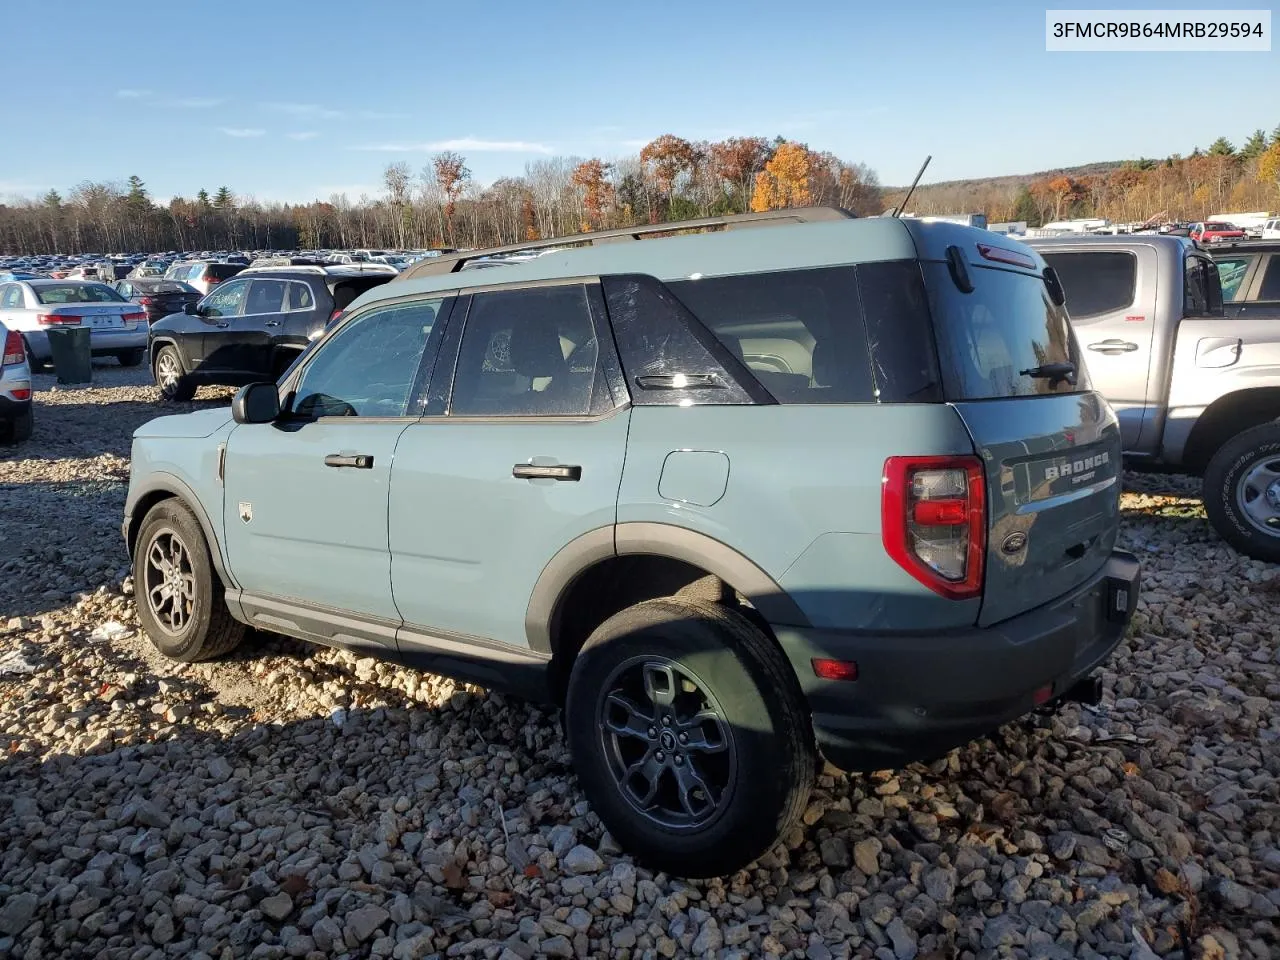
(131, 358)
(20, 429)
(1222, 477)
(182, 388)
(210, 630)
(765, 713)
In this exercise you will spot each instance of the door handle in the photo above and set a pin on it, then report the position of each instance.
(222, 326)
(360, 461)
(272, 323)
(559, 471)
(1113, 346)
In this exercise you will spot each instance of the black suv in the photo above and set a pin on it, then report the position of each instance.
(252, 327)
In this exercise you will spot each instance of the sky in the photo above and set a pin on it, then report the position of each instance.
(292, 101)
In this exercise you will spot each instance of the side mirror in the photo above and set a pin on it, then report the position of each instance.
(256, 403)
(191, 309)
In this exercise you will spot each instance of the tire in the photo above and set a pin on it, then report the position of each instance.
(131, 358)
(21, 426)
(763, 771)
(179, 388)
(190, 628)
(1245, 472)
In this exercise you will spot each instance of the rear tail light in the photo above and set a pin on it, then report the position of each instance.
(211, 280)
(135, 317)
(57, 319)
(333, 317)
(13, 351)
(146, 301)
(934, 525)
(21, 394)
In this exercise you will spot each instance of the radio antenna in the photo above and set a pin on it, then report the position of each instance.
(897, 211)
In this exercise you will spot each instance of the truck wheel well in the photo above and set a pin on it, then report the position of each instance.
(612, 585)
(1226, 417)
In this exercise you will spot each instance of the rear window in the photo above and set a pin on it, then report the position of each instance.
(799, 332)
(345, 291)
(990, 340)
(78, 293)
(1270, 289)
(222, 271)
(164, 286)
(1097, 282)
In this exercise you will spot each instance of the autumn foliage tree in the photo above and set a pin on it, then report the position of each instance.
(784, 181)
(664, 160)
(451, 179)
(736, 162)
(592, 177)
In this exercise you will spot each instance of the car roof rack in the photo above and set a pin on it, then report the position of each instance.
(453, 262)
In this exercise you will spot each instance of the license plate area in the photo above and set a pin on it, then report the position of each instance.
(100, 323)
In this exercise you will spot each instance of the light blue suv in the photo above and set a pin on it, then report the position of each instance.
(736, 499)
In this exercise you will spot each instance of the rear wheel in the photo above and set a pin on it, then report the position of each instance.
(1242, 492)
(19, 429)
(178, 595)
(173, 383)
(131, 358)
(690, 736)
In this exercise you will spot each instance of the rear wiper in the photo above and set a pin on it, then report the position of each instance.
(1053, 372)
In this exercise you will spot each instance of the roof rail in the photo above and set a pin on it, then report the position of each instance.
(453, 262)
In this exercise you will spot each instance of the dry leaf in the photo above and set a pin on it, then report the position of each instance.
(453, 876)
(1166, 882)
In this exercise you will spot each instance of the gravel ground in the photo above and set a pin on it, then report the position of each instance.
(299, 802)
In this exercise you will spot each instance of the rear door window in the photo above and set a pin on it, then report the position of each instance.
(991, 341)
(299, 297)
(1097, 282)
(799, 332)
(265, 296)
(1270, 288)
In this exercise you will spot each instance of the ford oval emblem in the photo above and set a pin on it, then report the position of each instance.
(1013, 543)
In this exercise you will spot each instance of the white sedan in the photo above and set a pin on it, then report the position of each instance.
(117, 328)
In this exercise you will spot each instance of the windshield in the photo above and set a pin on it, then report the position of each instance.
(994, 341)
(78, 293)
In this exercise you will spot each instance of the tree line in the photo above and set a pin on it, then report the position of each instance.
(442, 205)
(1219, 179)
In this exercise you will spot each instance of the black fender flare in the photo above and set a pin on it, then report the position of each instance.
(654, 539)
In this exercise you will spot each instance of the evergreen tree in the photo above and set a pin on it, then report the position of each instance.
(1024, 208)
(224, 199)
(1255, 145)
(202, 198)
(1221, 148)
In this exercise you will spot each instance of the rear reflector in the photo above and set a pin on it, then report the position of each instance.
(835, 669)
(933, 521)
(57, 319)
(14, 353)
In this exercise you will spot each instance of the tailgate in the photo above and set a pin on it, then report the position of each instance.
(1053, 495)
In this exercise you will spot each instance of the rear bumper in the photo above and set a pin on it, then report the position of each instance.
(919, 695)
(101, 342)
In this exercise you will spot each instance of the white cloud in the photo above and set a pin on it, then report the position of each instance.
(304, 110)
(303, 135)
(242, 131)
(194, 103)
(133, 94)
(462, 145)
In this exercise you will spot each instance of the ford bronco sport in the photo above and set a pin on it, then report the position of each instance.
(1184, 348)
(737, 500)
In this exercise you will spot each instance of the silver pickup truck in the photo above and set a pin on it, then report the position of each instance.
(1186, 346)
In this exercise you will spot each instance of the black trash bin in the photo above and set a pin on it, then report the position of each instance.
(72, 359)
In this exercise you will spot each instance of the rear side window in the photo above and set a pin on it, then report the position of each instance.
(299, 297)
(1270, 289)
(1231, 274)
(799, 332)
(899, 332)
(1096, 281)
(991, 340)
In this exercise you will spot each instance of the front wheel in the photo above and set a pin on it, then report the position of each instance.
(1242, 492)
(689, 735)
(173, 383)
(131, 358)
(178, 594)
